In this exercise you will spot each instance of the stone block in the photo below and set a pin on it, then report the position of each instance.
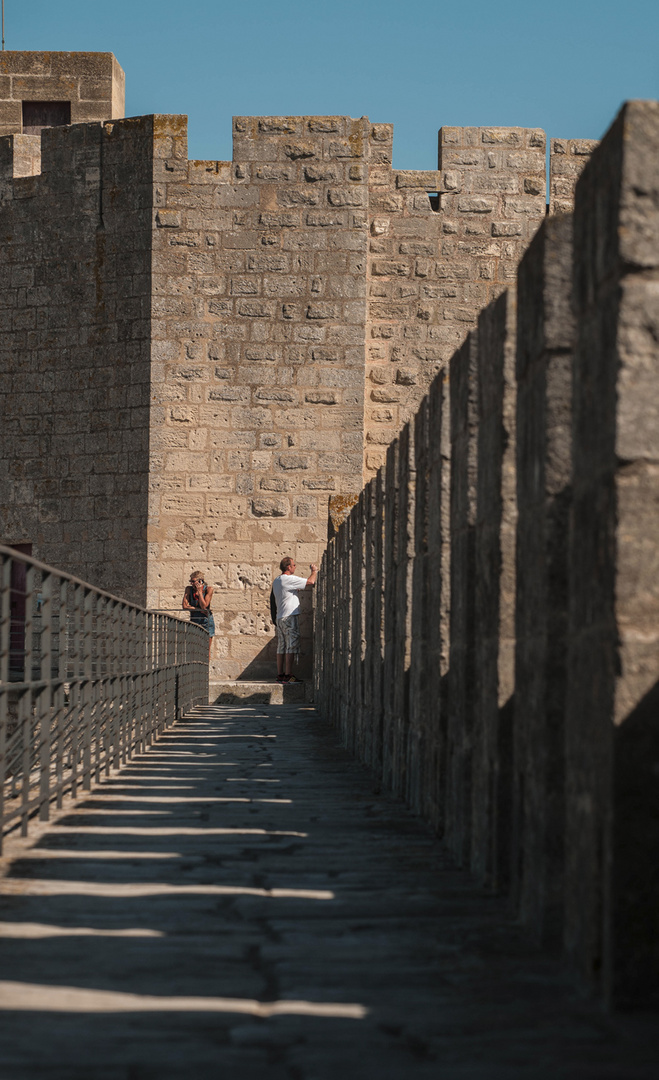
(461, 677)
(428, 180)
(610, 932)
(494, 600)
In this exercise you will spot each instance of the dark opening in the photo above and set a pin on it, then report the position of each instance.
(434, 200)
(17, 612)
(41, 114)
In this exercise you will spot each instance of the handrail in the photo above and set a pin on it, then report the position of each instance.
(87, 680)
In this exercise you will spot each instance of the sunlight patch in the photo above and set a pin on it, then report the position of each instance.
(18, 996)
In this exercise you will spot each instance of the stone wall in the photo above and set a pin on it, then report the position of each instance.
(75, 349)
(435, 260)
(258, 338)
(279, 382)
(545, 342)
(494, 592)
(292, 307)
(535, 753)
(567, 160)
(92, 83)
(612, 719)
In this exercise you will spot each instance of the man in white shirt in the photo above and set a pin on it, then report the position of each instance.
(286, 588)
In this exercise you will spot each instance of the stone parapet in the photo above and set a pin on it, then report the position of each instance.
(567, 160)
(545, 346)
(443, 244)
(534, 750)
(612, 735)
(274, 322)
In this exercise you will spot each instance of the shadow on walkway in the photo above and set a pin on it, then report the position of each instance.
(237, 903)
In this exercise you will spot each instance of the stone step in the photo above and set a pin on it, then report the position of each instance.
(259, 693)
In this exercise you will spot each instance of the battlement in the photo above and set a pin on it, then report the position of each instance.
(20, 155)
(302, 138)
(567, 158)
(221, 347)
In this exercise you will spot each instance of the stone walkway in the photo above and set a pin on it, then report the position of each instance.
(239, 904)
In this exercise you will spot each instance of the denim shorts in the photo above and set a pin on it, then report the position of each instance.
(206, 622)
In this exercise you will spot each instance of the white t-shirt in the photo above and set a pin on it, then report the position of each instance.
(286, 587)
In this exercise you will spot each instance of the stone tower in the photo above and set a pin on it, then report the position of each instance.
(198, 355)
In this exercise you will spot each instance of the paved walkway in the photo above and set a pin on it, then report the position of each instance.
(238, 903)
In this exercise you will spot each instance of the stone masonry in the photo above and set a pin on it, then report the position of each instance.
(197, 356)
(92, 84)
(535, 753)
(567, 159)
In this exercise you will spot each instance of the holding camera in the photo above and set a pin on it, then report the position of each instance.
(197, 600)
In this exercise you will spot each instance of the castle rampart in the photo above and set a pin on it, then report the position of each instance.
(533, 746)
(76, 350)
(198, 355)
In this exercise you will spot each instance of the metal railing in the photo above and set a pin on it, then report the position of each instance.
(87, 680)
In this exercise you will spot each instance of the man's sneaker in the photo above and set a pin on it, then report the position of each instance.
(291, 678)
(282, 678)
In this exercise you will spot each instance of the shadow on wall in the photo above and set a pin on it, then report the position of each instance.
(263, 666)
(636, 850)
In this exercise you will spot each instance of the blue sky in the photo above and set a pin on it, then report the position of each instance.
(563, 66)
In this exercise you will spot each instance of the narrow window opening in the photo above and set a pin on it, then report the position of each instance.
(38, 115)
(434, 200)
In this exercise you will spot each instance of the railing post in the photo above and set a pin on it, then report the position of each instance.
(44, 698)
(115, 684)
(59, 698)
(86, 690)
(75, 687)
(148, 665)
(25, 705)
(5, 627)
(95, 681)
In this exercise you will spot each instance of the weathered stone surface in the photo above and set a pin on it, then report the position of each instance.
(613, 670)
(91, 83)
(567, 159)
(546, 334)
(338, 509)
(76, 351)
(463, 375)
(494, 606)
(542, 773)
(417, 245)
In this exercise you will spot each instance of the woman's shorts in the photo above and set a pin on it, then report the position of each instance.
(288, 635)
(206, 622)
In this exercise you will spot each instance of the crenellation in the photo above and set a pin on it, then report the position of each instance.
(567, 160)
(487, 629)
(20, 156)
(279, 304)
(233, 341)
